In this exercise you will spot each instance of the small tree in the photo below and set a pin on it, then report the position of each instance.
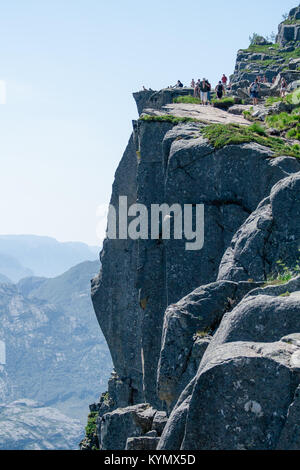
(256, 39)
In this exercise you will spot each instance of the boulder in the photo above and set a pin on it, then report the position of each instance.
(254, 386)
(186, 330)
(142, 443)
(115, 427)
(246, 408)
(290, 435)
(268, 235)
(159, 422)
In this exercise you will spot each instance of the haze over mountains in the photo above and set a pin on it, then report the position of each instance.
(31, 255)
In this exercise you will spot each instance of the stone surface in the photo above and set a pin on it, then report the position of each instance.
(290, 435)
(267, 236)
(261, 318)
(114, 428)
(207, 114)
(142, 443)
(246, 408)
(198, 314)
(159, 422)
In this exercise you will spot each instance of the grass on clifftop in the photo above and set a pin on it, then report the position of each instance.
(168, 118)
(220, 135)
(187, 99)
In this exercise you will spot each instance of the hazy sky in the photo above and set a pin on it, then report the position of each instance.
(70, 67)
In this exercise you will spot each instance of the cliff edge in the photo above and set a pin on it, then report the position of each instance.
(205, 343)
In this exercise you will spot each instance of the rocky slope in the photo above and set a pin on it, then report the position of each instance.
(205, 344)
(267, 59)
(54, 354)
(24, 425)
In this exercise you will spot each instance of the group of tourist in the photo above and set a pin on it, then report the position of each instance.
(202, 89)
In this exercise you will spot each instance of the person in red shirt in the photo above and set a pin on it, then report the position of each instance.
(224, 82)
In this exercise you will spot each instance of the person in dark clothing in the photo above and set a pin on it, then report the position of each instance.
(254, 91)
(179, 84)
(208, 91)
(204, 88)
(220, 90)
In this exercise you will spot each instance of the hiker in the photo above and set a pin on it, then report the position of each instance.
(204, 90)
(208, 91)
(283, 87)
(197, 89)
(224, 82)
(254, 90)
(179, 84)
(193, 84)
(219, 90)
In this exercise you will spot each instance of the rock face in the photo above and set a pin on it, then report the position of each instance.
(270, 60)
(289, 30)
(177, 321)
(205, 343)
(268, 236)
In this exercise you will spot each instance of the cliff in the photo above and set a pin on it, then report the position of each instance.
(205, 343)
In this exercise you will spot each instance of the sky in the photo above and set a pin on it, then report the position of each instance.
(70, 67)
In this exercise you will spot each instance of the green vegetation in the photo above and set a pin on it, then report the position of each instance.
(256, 39)
(272, 100)
(266, 49)
(220, 135)
(187, 99)
(292, 22)
(106, 397)
(274, 52)
(202, 334)
(287, 123)
(168, 118)
(223, 103)
(284, 273)
(91, 428)
(286, 294)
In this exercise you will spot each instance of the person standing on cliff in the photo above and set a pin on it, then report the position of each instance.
(224, 82)
(208, 91)
(204, 90)
(254, 91)
(197, 89)
(178, 84)
(283, 87)
(220, 90)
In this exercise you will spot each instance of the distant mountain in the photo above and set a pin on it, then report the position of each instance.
(41, 256)
(4, 279)
(12, 269)
(24, 425)
(55, 352)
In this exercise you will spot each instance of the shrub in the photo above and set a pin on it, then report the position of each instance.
(224, 103)
(91, 428)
